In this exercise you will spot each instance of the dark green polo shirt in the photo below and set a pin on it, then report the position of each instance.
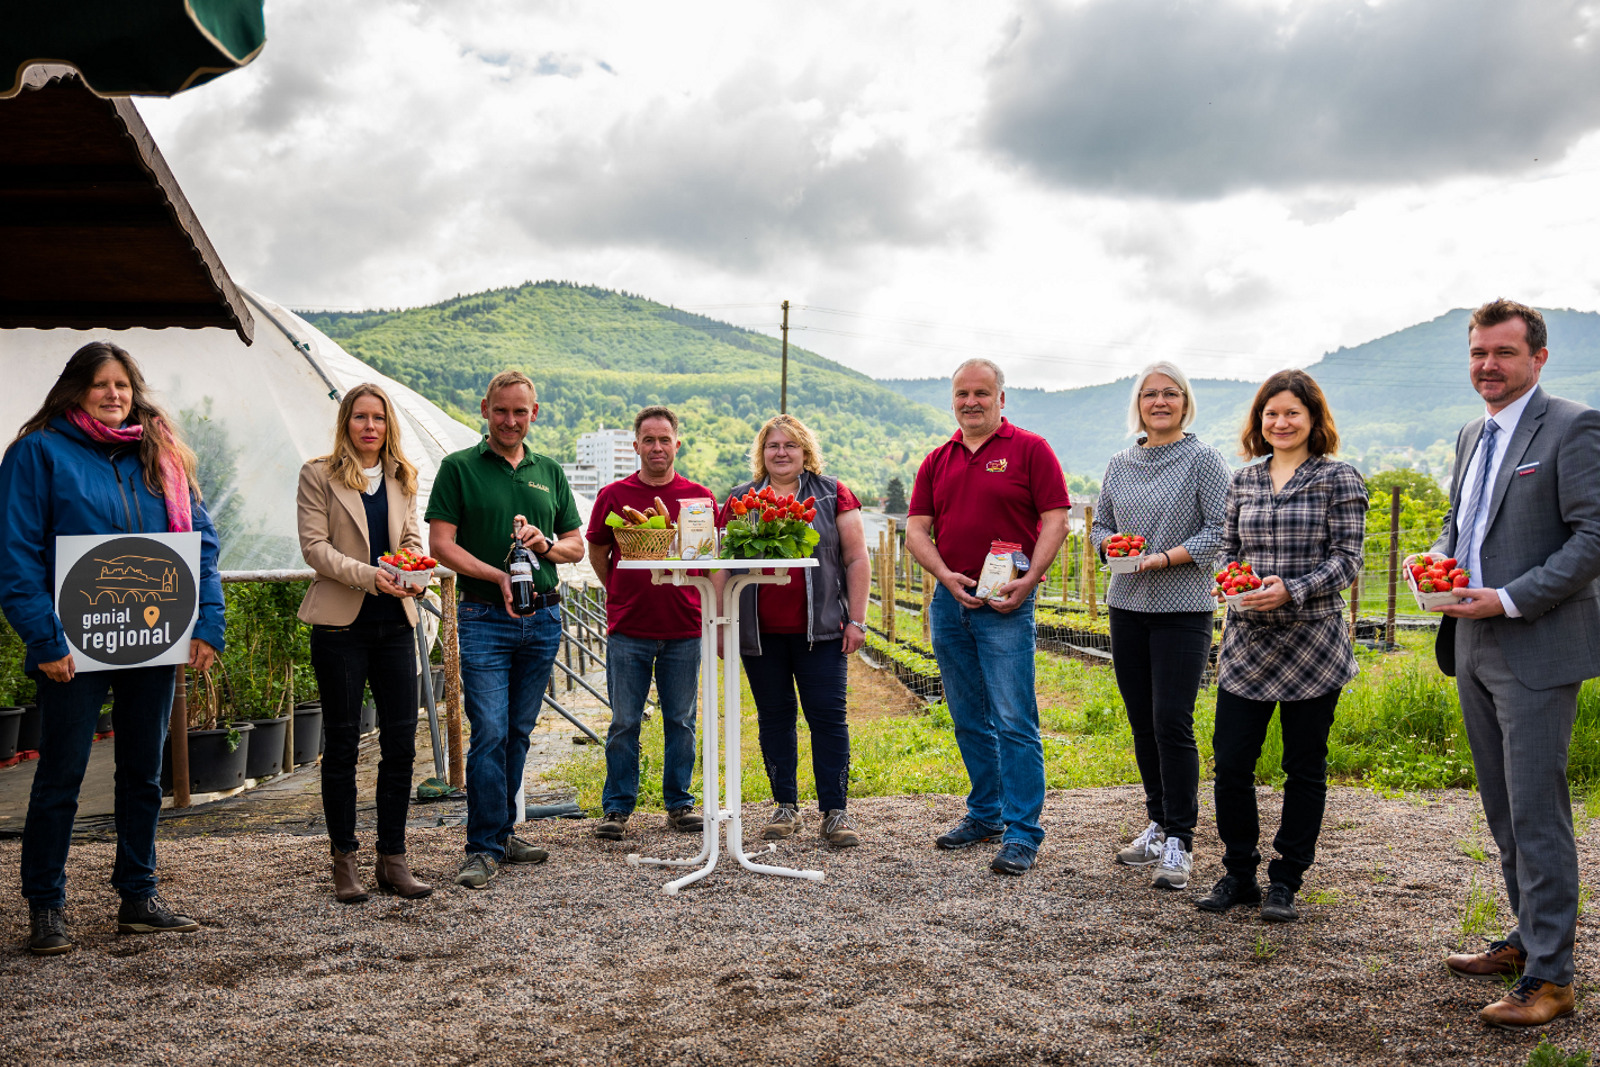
(478, 491)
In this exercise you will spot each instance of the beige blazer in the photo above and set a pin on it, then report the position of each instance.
(333, 539)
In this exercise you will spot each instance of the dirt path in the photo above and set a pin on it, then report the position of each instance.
(902, 955)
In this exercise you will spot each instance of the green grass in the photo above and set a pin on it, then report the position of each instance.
(1480, 914)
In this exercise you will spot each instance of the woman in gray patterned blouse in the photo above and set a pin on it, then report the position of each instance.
(1172, 490)
(1298, 519)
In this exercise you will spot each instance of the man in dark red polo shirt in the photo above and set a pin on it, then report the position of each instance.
(990, 482)
(651, 629)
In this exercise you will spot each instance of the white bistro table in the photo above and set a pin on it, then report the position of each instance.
(675, 572)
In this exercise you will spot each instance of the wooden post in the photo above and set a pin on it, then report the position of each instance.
(1063, 562)
(452, 683)
(1394, 563)
(783, 389)
(1090, 572)
(927, 608)
(178, 731)
(1355, 606)
(892, 587)
(567, 638)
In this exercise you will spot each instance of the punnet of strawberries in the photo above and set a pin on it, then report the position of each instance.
(407, 560)
(1436, 573)
(1119, 545)
(765, 525)
(1237, 578)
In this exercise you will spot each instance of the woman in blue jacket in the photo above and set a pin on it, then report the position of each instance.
(97, 458)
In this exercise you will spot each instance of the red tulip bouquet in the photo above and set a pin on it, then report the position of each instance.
(765, 525)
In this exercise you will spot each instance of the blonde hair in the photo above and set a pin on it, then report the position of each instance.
(508, 378)
(796, 430)
(344, 462)
(1181, 380)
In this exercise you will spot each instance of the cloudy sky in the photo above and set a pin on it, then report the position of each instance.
(1072, 188)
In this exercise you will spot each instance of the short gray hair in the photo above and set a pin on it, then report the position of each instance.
(1135, 420)
(988, 364)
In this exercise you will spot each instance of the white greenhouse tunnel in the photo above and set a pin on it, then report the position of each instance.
(254, 414)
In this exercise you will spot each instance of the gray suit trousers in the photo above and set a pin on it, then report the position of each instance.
(1520, 738)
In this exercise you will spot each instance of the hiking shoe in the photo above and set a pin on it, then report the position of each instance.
(966, 833)
(47, 931)
(1173, 870)
(1013, 858)
(1229, 890)
(784, 821)
(476, 870)
(838, 830)
(151, 916)
(685, 820)
(1279, 905)
(613, 826)
(1144, 849)
(519, 851)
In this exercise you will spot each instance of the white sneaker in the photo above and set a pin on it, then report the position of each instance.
(1173, 871)
(1144, 849)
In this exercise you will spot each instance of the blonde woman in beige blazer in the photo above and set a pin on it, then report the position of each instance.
(355, 504)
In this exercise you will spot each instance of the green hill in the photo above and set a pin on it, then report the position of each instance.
(1398, 401)
(598, 356)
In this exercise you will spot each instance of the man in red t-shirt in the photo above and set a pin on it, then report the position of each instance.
(990, 482)
(650, 630)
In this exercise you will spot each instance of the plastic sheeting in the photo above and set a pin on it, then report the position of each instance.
(252, 414)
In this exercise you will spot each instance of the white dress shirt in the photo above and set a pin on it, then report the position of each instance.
(1507, 421)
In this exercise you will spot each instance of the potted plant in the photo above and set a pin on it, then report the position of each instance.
(218, 750)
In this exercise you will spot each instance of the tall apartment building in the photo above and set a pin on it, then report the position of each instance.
(609, 452)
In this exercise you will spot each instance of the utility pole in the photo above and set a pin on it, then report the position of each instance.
(783, 391)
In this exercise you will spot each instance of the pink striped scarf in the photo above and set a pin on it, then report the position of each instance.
(174, 481)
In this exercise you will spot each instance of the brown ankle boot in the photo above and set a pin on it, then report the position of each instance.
(347, 887)
(396, 877)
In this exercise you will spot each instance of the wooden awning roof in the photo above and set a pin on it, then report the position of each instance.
(95, 231)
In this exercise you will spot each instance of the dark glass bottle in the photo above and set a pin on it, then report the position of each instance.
(521, 563)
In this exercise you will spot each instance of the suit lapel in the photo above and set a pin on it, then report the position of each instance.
(1464, 447)
(352, 503)
(397, 503)
(1527, 426)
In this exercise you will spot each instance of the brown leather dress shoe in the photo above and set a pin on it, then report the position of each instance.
(1502, 957)
(1531, 1002)
(347, 887)
(394, 876)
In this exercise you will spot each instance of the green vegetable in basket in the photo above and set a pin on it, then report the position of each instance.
(654, 522)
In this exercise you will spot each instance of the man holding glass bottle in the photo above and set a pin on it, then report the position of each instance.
(479, 497)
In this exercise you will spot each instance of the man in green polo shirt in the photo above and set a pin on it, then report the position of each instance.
(478, 497)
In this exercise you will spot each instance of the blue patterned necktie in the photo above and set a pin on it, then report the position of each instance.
(1478, 503)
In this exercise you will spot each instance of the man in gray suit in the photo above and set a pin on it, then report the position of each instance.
(1524, 520)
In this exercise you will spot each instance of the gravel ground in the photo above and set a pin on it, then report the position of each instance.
(903, 955)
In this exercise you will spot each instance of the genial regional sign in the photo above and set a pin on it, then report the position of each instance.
(128, 600)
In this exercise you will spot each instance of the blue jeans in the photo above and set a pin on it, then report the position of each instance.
(68, 713)
(819, 672)
(505, 667)
(986, 664)
(630, 661)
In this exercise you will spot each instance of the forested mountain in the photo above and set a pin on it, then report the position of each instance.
(598, 356)
(1397, 401)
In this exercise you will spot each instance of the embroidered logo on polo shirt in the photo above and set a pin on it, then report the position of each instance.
(536, 485)
(996, 466)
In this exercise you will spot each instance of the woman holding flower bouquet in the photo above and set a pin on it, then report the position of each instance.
(796, 638)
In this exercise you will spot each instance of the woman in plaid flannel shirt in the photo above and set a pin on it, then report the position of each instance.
(1298, 519)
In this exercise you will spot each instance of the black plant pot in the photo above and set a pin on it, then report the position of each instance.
(104, 725)
(28, 730)
(307, 734)
(369, 718)
(266, 746)
(212, 768)
(438, 685)
(10, 722)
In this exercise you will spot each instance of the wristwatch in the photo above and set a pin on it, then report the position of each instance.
(858, 625)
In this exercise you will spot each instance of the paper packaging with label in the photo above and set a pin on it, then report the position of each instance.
(697, 528)
(999, 567)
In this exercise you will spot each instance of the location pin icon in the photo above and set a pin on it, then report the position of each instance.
(151, 614)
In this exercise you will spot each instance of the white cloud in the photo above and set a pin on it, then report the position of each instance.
(841, 156)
